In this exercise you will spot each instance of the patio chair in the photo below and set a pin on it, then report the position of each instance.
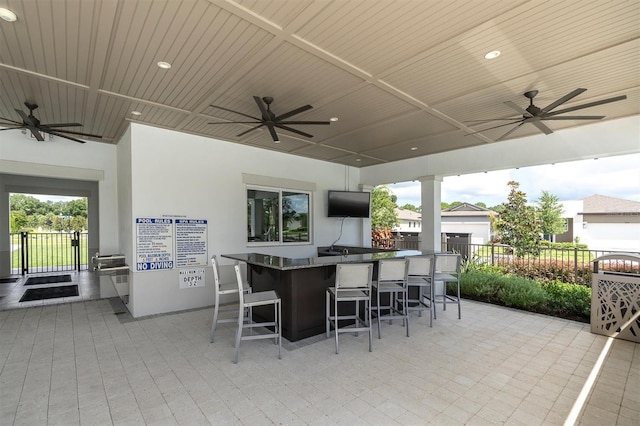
(447, 270)
(223, 288)
(352, 285)
(392, 280)
(420, 282)
(247, 302)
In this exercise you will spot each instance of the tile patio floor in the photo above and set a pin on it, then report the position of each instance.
(81, 363)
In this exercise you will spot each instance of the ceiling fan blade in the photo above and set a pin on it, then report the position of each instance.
(509, 132)
(575, 117)
(235, 112)
(250, 130)
(263, 110)
(11, 121)
(563, 99)
(48, 129)
(518, 108)
(14, 127)
(489, 120)
(60, 135)
(494, 127)
(61, 125)
(293, 112)
(274, 135)
(234, 122)
(289, 129)
(541, 126)
(587, 105)
(304, 122)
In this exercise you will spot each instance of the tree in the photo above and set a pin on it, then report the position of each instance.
(410, 207)
(383, 208)
(18, 221)
(517, 224)
(550, 214)
(481, 204)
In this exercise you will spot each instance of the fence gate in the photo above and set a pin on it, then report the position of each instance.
(49, 252)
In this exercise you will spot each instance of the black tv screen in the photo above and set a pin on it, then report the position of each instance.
(348, 204)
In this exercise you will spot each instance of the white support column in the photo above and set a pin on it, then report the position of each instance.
(365, 234)
(431, 219)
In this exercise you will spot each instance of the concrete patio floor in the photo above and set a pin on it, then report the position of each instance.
(84, 363)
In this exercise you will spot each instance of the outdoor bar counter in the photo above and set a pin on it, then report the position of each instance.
(301, 284)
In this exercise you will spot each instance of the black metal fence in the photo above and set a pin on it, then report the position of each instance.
(48, 252)
(573, 265)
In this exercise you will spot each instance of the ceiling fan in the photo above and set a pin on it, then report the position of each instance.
(270, 120)
(534, 115)
(36, 128)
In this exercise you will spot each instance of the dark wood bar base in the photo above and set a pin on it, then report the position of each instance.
(303, 306)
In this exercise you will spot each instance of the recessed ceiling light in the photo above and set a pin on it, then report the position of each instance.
(492, 55)
(164, 65)
(358, 159)
(333, 119)
(136, 113)
(413, 148)
(7, 15)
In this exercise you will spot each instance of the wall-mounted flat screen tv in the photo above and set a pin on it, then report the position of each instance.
(349, 204)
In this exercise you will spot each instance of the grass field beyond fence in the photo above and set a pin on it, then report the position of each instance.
(48, 252)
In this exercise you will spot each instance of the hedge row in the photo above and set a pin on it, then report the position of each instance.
(570, 301)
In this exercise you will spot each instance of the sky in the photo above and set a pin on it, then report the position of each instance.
(617, 176)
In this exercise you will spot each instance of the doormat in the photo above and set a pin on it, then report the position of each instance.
(49, 279)
(49, 293)
(8, 280)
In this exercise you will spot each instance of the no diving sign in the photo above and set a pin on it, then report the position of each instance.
(191, 277)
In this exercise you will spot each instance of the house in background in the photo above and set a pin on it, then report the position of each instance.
(409, 223)
(603, 223)
(461, 225)
(466, 224)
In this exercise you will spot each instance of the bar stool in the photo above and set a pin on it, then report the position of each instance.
(420, 277)
(392, 280)
(251, 300)
(222, 289)
(447, 270)
(353, 284)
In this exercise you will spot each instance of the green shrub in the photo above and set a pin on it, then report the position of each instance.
(522, 293)
(568, 300)
(479, 285)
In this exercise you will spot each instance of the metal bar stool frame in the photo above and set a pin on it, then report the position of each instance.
(420, 275)
(220, 290)
(251, 300)
(352, 284)
(392, 280)
(447, 270)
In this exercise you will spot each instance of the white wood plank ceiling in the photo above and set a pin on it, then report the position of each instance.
(404, 77)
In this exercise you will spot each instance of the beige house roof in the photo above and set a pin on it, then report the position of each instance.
(467, 209)
(595, 204)
(404, 214)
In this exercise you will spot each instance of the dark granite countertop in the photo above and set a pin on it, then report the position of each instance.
(287, 263)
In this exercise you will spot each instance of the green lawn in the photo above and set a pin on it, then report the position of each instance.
(48, 249)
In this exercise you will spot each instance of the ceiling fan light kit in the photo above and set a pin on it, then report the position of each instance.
(271, 121)
(534, 115)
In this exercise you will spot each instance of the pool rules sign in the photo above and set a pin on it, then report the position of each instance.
(167, 243)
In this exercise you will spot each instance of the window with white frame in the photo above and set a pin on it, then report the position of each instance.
(278, 216)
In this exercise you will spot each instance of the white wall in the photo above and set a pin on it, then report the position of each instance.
(180, 174)
(62, 158)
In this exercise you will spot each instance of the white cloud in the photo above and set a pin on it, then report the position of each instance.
(612, 176)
